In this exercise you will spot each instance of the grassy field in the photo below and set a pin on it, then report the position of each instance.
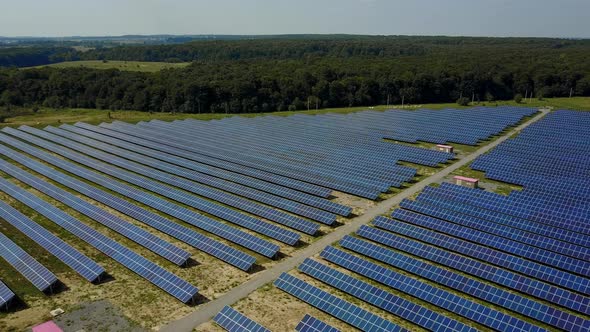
(121, 65)
(46, 117)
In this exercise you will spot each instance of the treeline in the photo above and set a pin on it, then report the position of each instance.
(278, 75)
(320, 46)
(35, 56)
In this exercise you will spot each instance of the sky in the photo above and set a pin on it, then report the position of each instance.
(526, 18)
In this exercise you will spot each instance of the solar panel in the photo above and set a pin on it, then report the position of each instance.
(160, 277)
(174, 149)
(257, 164)
(473, 267)
(168, 165)
(498, 258)
(438, 210)
(6, 295)
(380, 298)
(439, 197)
(132, 232)
(312, 324)
(536, 254)
(215, 248)
(473, 287)
(244, 239)
(186, 159)
(233, 321)
(461, 306)
(83, 265)
(33, 271)
(335, 306)
(196, 188)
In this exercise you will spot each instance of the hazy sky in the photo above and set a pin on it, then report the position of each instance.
(552, 18)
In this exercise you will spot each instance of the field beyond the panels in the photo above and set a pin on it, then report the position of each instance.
(120, 65)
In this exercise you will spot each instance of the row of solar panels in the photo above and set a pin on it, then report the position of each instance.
(401, 246)
(364, 154)
(484, 120)
(476, 123)
(232, 320)
(551, 155)
(328, 177)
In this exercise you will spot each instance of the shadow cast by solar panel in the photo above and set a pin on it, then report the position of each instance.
(302, 244)
(336, 224)
(56, 288)
(198, 300)
(190, 263)
(15, 305)
(256, 268)
(104, 278)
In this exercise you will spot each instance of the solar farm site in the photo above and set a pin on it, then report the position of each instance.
(170, 220)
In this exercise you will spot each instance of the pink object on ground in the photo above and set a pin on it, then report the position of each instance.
(47, 327)
(462, 178)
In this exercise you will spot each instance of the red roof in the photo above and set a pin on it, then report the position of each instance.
(462, 178)
(47, 327)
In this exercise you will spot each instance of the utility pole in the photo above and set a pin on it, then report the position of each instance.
(571, 92)
(526, 94)
(472, 97)
(403, 97)
(388, 96)
(308, 101)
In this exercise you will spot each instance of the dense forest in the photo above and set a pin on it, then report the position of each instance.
(265, 75)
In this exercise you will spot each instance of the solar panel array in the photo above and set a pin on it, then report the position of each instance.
(551, 160)
(85, 266)
(32, 270)
(258, 183)
(335, 306)
(6, 295)
(132, 232)
(184, 234)
(505, 258)
(233, 321)
(160, 277)
(312, 324)
(508, 263)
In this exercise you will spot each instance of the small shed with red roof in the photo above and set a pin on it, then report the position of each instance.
(466, 182)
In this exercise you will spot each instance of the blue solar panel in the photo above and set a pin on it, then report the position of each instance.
(223, 212)
(542, 256)
(203, 179)
(442, 198)
(312, 324)
(471, 310)
(132, 232)
(495, 257)
(251, 242)
(201, 242)
(26, 265)
(380, 298)
(233, 321)
(83, 265)
(182, 169)
(473, 287)
(473, 267)
(186, 159)
(6, 295)
(171, 147)
(160, 277)
(244, 160)
(335, 306)
(438, 210)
